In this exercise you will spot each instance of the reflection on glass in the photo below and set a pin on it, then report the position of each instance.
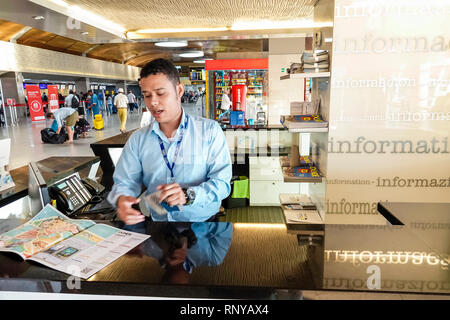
(181, 247)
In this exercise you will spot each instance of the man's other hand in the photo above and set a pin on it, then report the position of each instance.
(126, 213)
(172, 194)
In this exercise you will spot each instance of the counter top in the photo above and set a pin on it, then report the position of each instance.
(252, 127)
(243, 260)
(52, 169)
(114, 141)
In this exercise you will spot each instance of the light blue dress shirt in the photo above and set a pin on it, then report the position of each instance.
(203, 163)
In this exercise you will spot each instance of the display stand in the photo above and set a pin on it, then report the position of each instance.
(317, 182)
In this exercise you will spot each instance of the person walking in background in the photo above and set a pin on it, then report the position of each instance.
(121, 103)
(100, 102)
(68, 100)
(131, 100)
(93, 104)
(45, 102)
(109, 104)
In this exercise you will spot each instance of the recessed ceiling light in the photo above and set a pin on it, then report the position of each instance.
(85, 33)
(171, 44)
(192, 54)
(38, 17)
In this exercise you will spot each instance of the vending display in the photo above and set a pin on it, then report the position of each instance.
(245, 88)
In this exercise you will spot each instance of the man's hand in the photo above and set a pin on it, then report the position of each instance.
(126, 213)
(178, 256)
(59, 130)
(172, 194)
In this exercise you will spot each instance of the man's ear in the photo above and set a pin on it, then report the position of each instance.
(180, 90)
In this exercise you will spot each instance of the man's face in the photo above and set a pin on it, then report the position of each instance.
(162, 98)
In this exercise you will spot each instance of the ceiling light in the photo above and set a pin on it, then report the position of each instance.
(288, 24)
(192, 54)
(174, 30)
(60, 2)
(171, 44)
(201, 61)
(85, 33)
(38, 17)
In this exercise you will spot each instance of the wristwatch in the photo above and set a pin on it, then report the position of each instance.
(189, 193)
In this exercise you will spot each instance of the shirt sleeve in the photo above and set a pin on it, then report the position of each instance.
(128, 173)
(219, 172)
(58, 119)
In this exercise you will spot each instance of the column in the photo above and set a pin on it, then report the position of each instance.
(12, 86)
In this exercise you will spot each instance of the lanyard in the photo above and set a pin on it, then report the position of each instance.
(177, 150)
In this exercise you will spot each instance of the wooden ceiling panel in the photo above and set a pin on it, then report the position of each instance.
(79, 48)
(36, 38)
(60, 43)
(9, 29)
(143, 59)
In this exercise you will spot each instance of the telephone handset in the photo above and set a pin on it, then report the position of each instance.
(93, 186)
(72, 194)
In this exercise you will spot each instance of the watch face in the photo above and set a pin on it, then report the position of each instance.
(190, 193)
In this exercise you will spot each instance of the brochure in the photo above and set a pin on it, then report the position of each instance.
(77, 247)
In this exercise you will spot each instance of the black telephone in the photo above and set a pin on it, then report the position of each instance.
(72, 193)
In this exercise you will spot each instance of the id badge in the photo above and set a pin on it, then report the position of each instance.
(170, 180)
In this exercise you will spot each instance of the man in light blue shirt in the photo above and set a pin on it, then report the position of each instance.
(184, 157)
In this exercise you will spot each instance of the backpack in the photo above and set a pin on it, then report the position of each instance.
(75, 102)
(82, 125)
(50, 136)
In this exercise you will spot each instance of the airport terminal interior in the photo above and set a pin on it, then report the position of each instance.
(336, 118)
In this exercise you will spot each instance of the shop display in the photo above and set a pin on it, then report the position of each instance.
(245, 89)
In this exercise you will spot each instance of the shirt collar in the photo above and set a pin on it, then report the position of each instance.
(156, 129)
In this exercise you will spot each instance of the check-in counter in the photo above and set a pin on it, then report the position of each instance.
(239, 260)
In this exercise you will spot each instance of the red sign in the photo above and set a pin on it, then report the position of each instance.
(53, 103)
(239, 94)
(237, 64)
(35, 102)
(10, 101)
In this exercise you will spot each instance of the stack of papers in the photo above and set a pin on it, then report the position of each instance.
(299, 209)
(315, 61)
(314, 121)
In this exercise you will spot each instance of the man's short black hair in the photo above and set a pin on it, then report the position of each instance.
(163, 66)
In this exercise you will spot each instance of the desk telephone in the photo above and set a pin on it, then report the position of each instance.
(72, 193)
